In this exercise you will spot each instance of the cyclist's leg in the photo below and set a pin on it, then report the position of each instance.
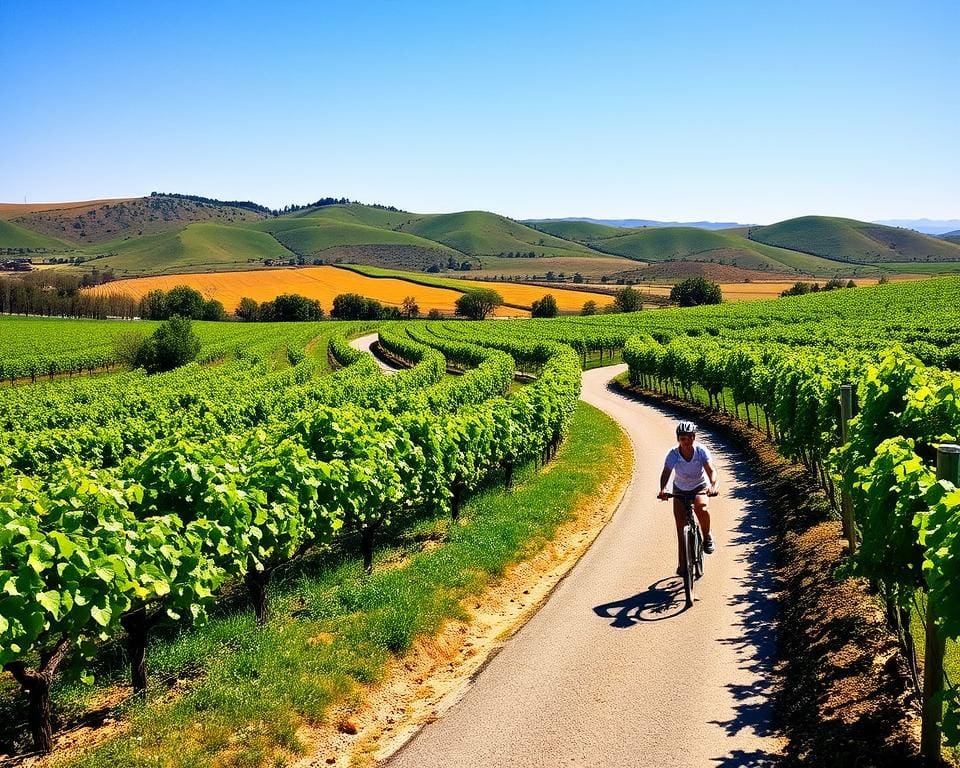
(701, 507)
(679, 518)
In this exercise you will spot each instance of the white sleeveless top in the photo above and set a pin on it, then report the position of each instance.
(688, 474)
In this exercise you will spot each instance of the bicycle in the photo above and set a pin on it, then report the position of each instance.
(692, 544)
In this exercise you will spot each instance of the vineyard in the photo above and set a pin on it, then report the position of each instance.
(132, 503)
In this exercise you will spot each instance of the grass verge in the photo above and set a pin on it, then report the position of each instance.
(246, 691)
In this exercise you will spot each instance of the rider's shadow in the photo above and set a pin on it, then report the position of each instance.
(661, 600)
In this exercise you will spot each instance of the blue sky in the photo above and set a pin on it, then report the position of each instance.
(745, 111)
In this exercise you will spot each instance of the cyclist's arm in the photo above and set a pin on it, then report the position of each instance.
(712, 475)
(664, 479)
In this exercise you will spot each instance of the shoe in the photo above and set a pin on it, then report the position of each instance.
(709, 544)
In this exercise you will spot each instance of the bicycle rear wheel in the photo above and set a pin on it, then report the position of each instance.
(689, 567)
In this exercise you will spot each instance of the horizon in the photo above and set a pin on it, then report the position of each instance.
(744, 114)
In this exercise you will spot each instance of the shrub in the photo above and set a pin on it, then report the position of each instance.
(589, 308)
(127, 345)
(173, 344)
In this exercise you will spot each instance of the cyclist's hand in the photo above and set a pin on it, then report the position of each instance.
(663, 496)
(714, 491)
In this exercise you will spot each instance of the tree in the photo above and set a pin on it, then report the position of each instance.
(477, 303)
(589, 308)
(349, 306)
(184, 301)
(851, 284)
(173, 344)
(410, 309)
(696, 291)
(883, 280)
(435, 314)
(628, 300)
(213, 310)
(290, 307)
(545, 307)
(153, 305)
(578, 278)
(797, 289)
(247, 310)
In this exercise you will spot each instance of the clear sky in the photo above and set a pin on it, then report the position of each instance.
(728, 111)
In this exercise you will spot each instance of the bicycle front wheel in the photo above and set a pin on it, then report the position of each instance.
(689, 565)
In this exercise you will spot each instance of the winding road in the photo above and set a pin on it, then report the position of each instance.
(613, 671)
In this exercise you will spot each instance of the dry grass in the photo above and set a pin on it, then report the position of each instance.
(321, 283)
(10, 211)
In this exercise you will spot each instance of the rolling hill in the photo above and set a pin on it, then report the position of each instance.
(200, 247)
(163, 234)
(855, 242)
(668, 244)
(101, 222)
(13, 236)
(478, 233)
(356, 235)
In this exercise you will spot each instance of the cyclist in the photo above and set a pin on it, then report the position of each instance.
(693, 475)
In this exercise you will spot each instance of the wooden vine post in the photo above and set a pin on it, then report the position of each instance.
(948, 468)
(846, 504)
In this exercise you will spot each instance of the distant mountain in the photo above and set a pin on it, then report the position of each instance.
(927, 226)
(640, 223)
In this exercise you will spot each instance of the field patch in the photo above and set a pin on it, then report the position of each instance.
(321, 283)
(568, 300)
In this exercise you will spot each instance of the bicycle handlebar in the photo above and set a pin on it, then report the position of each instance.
(675, 495)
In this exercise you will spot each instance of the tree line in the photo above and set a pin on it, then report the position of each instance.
(56, 294)
(257, 208)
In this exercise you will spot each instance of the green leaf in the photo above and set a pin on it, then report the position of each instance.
(101, 615)
(51, 601)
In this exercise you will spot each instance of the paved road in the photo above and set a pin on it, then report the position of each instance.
(612, 671)
(364, 343)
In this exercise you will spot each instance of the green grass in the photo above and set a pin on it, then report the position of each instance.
(358, 214)
(14, 236)
(194, 248)
(581, 231)
(855, 241)
(922, 268)
(311, 236)
(413, 277)
(480, 233)
(333, 628)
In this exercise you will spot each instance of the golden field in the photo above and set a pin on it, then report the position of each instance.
(321, 283)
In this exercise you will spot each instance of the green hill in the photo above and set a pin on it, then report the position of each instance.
(356, 213)
(479, 233)
(197, 247)
(658, 244)
(14, 236)
(335, 235)
(858, 242)
(580, 231)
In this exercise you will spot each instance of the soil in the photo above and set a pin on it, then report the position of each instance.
(844, 696)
